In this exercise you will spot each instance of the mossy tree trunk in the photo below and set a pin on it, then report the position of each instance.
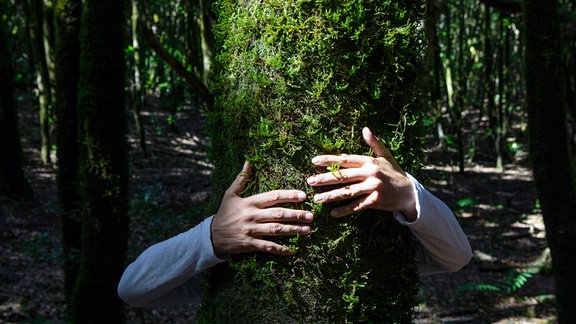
(13, 183)
(103, 162)
(554, 168)
(67, 55)
(294, 79)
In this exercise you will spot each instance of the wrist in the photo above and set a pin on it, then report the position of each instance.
(411, 214)
(218, 252)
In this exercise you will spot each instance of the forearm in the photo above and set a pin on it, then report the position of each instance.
(445, 246)
(165, 273)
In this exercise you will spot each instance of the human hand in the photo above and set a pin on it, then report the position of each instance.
(378, 183)
(241, 224)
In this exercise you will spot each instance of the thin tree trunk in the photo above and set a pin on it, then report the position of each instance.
(500, 128)
(434, 63)
(195, 37)
(136, 87)
(36, 31)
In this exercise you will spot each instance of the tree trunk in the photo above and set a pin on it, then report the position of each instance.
(552, 162)
(67, 18)
(103, 163)
(297, 79)
(136, 87)
(36, 31)
(13, 184)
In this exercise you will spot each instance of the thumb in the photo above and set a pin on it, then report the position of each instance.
(240, 182)
(376, 145)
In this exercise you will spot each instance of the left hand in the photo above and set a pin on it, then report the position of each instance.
(377, 183)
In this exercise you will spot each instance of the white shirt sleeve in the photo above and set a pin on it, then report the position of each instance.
(443, 246)
(168, 273)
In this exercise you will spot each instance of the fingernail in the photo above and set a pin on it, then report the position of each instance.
(308, 216)
(318, 198)
(301, 196)
(311, 180)
(305, 229)
(316, 159)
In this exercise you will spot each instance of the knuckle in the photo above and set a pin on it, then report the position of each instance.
(347, 193)
(275, 229)
(269, 247)
(278, 214)
(247, 231)
(274, 196)
(246, 217)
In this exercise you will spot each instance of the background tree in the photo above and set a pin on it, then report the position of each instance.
(103, 162)
(552, 161)
(13, 183)
(296, 79)
(39, 24)
(67, 54)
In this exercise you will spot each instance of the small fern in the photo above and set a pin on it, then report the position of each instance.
(515, 280)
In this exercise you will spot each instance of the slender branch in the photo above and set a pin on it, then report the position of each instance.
(190, 77)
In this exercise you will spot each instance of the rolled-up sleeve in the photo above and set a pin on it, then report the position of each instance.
(169, 272)
(442, 244)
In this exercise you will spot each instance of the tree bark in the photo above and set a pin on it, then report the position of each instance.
(551, 159)
(67, 55)
(103, 162)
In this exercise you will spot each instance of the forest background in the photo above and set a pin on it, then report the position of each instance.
(477, 116)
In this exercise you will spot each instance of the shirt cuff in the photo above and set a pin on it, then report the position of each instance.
(417, 189)
(207, 241)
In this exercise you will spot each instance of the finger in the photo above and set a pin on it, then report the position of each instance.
(339, 177)
(279, 229)
(343, 193)
(376, 145)
(356, 206)
(284, 215)
(272, 198)
(271, 247)
(240, 182)
(345, 160)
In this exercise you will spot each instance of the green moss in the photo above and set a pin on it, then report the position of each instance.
(293, 80)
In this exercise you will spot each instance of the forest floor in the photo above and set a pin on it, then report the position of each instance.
(508, 280)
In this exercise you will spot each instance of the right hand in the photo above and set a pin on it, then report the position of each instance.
(241, 224)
